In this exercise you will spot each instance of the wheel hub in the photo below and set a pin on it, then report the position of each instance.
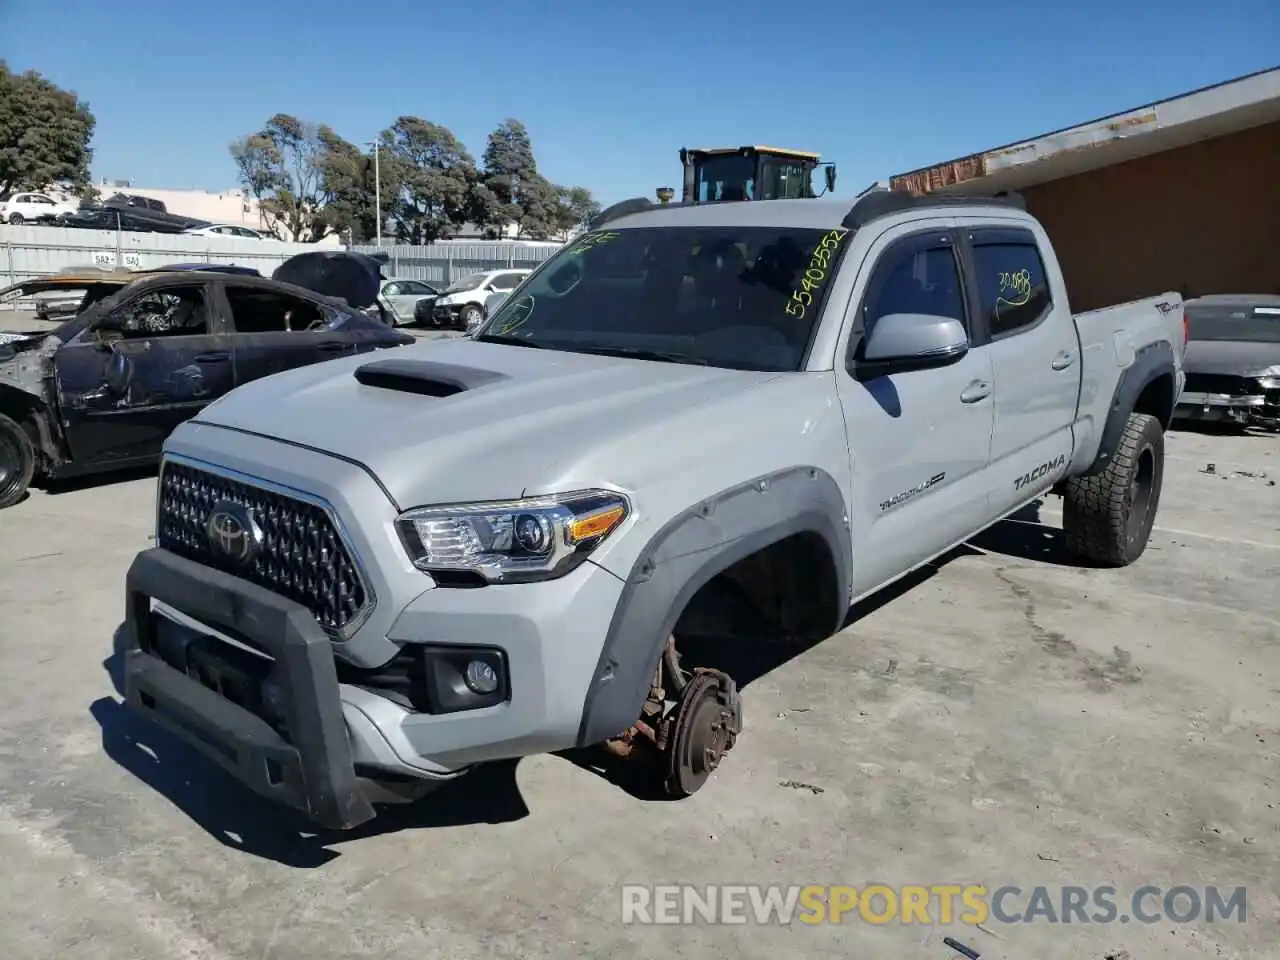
(704, 727)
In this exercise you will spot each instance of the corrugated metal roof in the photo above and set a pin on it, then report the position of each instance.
(1214, 110)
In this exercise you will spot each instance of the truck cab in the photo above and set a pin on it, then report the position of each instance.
(751, 173)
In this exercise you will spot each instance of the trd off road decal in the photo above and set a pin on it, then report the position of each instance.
(1049, 466)
(915, 491)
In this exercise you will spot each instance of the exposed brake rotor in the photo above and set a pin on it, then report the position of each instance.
(706, 722)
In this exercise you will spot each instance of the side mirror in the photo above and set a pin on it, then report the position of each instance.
(831, 177)
(903, 342)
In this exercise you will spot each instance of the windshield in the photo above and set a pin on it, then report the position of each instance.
(726, 178)
(1263, 326)
(469, 282)
(741, 297)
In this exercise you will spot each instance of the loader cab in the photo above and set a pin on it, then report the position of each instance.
(752, 173)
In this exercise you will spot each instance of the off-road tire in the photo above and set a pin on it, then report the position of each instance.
(1107, 517)
(17, 462)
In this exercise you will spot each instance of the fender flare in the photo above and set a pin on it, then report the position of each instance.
(1152, 361)
(684, 555)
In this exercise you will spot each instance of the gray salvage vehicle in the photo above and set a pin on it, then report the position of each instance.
(1233, 361)
(372, 575)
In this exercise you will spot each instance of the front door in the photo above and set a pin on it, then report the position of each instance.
(274, 331)
(122, 392)
(919, 441)
(1035, 357)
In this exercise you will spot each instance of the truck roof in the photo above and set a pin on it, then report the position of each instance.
(818, 214)
(758, 148)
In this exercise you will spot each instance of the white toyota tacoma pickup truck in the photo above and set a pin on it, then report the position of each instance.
(373, 574)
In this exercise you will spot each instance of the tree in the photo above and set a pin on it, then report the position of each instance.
(578, 207)
(348, 180)
(44, 133)
(511, 174)
(283, 166)
(512, 191)
(433, 175)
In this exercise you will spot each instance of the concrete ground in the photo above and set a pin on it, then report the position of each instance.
(1007, 718)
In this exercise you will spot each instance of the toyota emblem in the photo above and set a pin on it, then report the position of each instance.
(232, 532)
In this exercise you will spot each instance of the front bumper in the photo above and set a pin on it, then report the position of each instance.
(448, 313)
(295, 750)
(1227, 408)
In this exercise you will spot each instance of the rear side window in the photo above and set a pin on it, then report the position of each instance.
(266, 311)
(1013, 290)
(506, 281)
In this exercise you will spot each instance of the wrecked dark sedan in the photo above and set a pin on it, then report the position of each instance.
(103, 390)
(1233, 361)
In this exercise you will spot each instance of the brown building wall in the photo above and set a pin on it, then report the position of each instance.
(1202, 219)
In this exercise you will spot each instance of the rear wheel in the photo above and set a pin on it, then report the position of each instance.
(1108, 517)
(17, 462)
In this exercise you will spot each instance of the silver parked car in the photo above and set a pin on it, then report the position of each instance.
(400, 298)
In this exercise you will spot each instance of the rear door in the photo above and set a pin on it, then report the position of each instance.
(122, 395)
(919, 441)
(273, 331)
(1035, 358)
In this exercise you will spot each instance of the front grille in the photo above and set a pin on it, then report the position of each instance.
(302, 556)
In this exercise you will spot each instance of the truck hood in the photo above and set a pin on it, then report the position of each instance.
(458, 420)
(1244, 358)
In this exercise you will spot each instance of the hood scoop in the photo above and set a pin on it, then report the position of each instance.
(427, 378)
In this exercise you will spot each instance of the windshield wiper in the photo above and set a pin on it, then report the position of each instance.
(502, 338)
(637, 353)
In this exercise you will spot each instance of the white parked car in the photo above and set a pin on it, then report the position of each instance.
(34, 207)
(462, 303)
(228, 230)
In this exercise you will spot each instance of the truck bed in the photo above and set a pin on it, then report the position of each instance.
(1110, 340)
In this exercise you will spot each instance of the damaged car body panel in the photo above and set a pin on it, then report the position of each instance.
(1233, 361)
(104, 389)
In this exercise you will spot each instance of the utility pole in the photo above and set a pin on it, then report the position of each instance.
(377, 191)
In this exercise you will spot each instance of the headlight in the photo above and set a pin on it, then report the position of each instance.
(512, 541)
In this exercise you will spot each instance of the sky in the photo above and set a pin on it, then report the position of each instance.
(610, 90)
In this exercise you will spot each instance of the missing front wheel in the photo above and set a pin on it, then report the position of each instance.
(690, 720)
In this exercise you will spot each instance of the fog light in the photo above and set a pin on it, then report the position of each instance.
(480, 677)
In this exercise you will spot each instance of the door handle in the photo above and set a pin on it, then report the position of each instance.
(977, 390)
(217, 356)
(332, 346)
(1063, 360)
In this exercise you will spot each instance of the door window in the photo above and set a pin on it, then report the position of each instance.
(268, 311)
(920, 279)
(172, 312)
(391, 290)
(505, 281)
(1012, 288)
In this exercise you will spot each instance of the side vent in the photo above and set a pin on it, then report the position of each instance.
(423, 377)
